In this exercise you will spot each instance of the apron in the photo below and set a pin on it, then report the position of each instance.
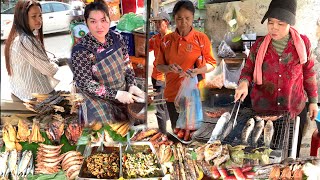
(109, 72)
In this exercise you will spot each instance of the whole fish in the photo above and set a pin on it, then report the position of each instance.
(247, 131)
(220, 126)
(257, 131)
(4, 156)
(227, 130)
(268, 133)
(25, 160)
(12, 163)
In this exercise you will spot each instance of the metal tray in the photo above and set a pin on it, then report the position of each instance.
(181, 140)
(108, 148)
(136, 146)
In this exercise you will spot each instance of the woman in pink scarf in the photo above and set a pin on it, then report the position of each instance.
(279, 70)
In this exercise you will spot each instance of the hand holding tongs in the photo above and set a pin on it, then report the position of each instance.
(236, 116)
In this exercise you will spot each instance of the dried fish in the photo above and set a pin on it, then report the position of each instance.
(55, 131)
(73, 132)
(13, 162)
(24, 162)
(4, 156)
(268, 133)
(247, 131)
(257, 131)
(23, 131)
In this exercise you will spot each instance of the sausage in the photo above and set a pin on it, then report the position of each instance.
(187, 135)
(155, 137)
(181, 133)
(176, 130)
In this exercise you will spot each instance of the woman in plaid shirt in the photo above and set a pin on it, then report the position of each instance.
(102, 69)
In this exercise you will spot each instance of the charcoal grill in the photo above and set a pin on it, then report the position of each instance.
(283, 140)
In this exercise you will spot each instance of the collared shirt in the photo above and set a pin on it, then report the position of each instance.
(84, 65)
(154, 45)
(30, 67)
(188, 51)
(286, 83)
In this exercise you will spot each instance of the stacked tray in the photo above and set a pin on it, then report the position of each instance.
(140, 149)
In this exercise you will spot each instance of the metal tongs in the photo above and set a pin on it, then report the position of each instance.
(236, 116)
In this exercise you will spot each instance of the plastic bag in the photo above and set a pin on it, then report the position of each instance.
(188, 105)
(224, 50)
(231, 76)
(129, 22)
(214, 79)
(233, 16)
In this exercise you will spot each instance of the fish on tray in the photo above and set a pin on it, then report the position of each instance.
(247, 131)
(220, 127)
(212, 151)
(268, 133)
(225, 156)
(257, 131)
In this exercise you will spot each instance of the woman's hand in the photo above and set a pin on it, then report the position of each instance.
(124, 97)
(175, 68)
(313, 111)
(241, 91)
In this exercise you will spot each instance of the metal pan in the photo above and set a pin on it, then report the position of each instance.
(108, 148)
(141, 147)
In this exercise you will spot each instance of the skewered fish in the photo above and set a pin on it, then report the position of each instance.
(268, 133)
(257, 131)
(247, 131)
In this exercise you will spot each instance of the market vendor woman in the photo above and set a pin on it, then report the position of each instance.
(181, 50)
(102, 69)
(279, 69)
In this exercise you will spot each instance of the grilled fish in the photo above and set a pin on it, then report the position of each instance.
(247, 131)
(220, 126)
(257, 131)
(268, 133)
(225, 156)
(212, 151)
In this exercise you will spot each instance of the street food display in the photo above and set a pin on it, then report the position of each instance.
(54, 144)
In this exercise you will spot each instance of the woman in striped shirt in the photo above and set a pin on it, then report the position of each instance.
(28, 66)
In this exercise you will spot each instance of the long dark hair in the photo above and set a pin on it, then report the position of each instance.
(97, 5)
(20, 26)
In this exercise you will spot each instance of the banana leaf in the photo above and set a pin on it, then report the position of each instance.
(57, 176)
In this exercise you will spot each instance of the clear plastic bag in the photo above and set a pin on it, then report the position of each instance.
(214, 79)
(188, 105)
(231, 76)
(224, 50)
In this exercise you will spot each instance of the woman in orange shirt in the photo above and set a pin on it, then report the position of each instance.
(185, 49)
